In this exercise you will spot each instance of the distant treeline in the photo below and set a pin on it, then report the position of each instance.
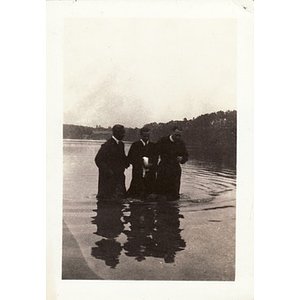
(210, 136)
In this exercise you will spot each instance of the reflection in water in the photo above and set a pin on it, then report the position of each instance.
(167, 232)
(108, 219)
(152, 230)
(109, 251)
(141, 221)
(109, 226)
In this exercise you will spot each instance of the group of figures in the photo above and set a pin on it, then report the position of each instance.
(156, 170)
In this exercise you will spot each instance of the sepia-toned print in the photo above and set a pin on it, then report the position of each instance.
(149, 149)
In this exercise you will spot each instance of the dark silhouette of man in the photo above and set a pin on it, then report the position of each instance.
(143, 158)
(112, 161)
(172, 152)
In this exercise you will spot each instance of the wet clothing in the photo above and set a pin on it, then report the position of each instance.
(143, 178)
(169, 170)
(111, 161)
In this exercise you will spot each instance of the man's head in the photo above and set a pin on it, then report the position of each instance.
(176, 133)
(145, 134)
(119, 132)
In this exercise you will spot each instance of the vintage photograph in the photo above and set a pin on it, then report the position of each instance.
(149, 149)
(153, 185)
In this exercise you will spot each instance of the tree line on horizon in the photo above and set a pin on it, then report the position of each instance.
(212, 135)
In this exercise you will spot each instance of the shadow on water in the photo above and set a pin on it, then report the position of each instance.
(151, 230)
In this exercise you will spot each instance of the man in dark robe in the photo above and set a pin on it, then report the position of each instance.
(172, 152)
(112, 161)
(143, 158)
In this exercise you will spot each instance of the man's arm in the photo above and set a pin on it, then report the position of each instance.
(184, 156)
(101, 160)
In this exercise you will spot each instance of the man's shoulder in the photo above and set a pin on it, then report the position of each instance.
(108, 143)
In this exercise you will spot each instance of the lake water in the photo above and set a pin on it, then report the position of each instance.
(189, 239)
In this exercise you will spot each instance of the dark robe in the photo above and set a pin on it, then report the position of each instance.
(169, 170)
(143, 181)
(111, 161)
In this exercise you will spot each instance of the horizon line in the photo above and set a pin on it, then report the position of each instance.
(154, 121)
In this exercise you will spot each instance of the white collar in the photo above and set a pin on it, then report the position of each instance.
(171, 139)
(144, 143)
(117, 141)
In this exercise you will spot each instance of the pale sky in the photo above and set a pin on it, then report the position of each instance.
(137, 71)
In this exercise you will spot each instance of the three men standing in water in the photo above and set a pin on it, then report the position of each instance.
(149, 178)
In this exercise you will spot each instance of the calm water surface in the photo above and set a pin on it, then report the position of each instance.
(189, 239)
